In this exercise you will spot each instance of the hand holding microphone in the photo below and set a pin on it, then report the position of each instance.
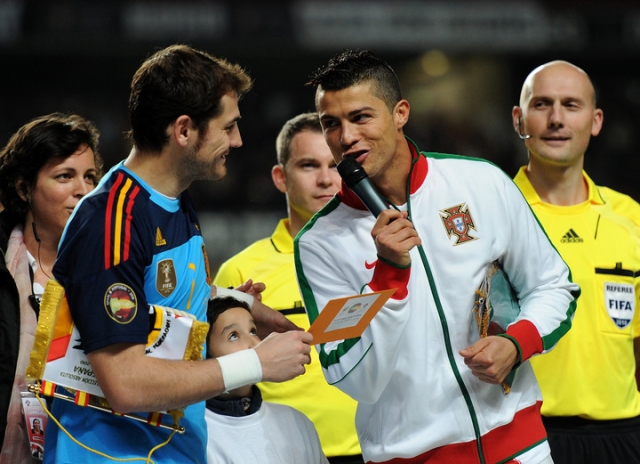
(393, 234)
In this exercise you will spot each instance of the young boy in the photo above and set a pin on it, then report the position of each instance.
(241, 427)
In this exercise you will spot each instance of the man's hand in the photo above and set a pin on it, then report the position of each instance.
(253, 289)
(491, 359)
(269, 320)
(394, 235)
(283, 355)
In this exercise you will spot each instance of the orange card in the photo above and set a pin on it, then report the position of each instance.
(347, 317)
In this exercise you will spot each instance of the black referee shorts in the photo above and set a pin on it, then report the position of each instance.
(574, 440)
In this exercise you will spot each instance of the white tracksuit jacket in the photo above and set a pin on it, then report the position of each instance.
(417, 398)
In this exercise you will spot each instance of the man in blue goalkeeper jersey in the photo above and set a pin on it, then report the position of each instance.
(136, 242)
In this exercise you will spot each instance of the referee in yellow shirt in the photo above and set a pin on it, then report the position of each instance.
(591, 403)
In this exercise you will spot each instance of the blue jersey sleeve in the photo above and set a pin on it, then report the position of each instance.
(101, 264)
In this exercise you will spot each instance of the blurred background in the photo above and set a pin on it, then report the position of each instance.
(461, 65)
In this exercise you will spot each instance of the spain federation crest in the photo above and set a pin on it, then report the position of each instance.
(121, 303)
(457, 221)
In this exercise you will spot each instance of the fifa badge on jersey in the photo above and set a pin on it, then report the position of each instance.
(457, 221)
(121, 303)
(620, 301)
(166, 277)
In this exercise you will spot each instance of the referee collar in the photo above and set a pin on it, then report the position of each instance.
(522, 181)
(281, 238)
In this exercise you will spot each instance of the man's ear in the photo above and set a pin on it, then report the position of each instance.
(516, 119)
(401, 113)
(181, 130)
(598, 119)
(279, 177)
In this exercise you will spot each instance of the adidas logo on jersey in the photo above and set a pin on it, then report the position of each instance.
(159, 238)
(571, 237)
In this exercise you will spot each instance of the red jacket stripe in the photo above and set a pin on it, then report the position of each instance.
(506, 442)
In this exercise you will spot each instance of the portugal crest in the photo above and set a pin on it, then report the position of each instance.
(457, 221)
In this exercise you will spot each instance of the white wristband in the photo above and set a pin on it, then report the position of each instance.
(240, 368)
(238, 295)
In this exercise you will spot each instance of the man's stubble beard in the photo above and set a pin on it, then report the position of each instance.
(192, 169)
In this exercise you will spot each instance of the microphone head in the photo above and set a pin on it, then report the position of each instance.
(351, 171)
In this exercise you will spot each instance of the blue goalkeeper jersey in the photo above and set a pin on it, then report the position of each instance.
(125, 247)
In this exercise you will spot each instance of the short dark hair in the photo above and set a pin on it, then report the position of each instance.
(220, 304)
(302, 122)
(55, 136)
(352, 67)
(176, 81)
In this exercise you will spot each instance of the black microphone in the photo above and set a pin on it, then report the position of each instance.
(33, 224)
(35, 231)
(357, 180)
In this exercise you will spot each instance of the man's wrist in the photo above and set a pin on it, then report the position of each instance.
(240, 368)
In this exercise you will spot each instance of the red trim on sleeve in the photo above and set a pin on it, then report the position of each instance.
(386, 276)
(108, 220)
(127, 229)
(528, 338)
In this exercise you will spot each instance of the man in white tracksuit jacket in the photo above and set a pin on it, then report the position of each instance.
(428, 387)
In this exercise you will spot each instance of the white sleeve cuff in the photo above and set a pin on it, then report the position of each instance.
(240, 368)
(238, 295)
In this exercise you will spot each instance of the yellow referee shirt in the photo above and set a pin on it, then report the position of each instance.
(591, 372)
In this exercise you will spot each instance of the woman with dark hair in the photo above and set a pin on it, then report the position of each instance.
(47, 166)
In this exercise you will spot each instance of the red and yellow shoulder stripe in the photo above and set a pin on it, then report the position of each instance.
(118, 220)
